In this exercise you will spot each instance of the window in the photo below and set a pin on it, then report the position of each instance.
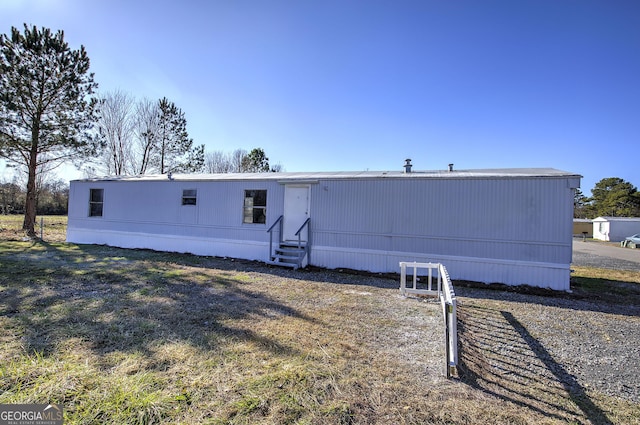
(189, 196)
(96, 197)
(255, 206)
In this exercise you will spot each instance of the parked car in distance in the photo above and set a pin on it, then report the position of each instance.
(632, 241)
(635, 238)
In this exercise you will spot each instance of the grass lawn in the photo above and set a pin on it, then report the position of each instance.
(140, 337)
(54, 227)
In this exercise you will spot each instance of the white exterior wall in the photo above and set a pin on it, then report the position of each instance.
(601, 229)
(514, 231)
(615, 229)
(150, 214)
(507, 230)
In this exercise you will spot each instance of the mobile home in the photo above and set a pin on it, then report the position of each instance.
(615, 229)
(512, 226)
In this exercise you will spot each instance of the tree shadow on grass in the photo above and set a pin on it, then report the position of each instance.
(500, 357)
(130, 301)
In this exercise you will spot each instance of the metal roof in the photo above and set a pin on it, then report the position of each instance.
(504, 173)
(607, 218)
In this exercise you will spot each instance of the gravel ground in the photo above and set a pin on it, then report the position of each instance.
(512, 344)
(555, 355)
(581, 345)
(605, 255)
(569, 359)
(593, 260)
(534, 350)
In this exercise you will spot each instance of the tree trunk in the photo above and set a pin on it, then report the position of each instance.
(30, 203)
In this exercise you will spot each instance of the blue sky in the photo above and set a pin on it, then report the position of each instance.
(357, 85)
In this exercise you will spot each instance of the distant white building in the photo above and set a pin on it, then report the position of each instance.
(615, 229)
(512, 226)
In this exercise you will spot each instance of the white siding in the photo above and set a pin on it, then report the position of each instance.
(509, 228)
(500, 219)
(601, 230)
(142, 214)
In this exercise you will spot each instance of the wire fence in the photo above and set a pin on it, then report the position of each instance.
(50, 228)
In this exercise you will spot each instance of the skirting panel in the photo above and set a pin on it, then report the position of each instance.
(544, 275)
(249, 250)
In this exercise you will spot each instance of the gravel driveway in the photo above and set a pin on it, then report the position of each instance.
(524, 348)
(605, 255)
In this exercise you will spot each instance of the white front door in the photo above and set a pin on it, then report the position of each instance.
(296, 211)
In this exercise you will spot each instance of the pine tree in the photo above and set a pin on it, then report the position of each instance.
(255, 162)
(175, 151)
(581, 205)
(46, 108)
(615, 197)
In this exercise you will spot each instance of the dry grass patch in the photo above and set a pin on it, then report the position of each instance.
(128, 336)
(628, 276)
(54, 229)
(611, 286)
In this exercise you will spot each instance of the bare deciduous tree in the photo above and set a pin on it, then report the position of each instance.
(146, 131)
(115, 129)
(217, 162)
(237, 159)
(145, 137)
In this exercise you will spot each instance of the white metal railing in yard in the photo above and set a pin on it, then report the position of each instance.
(444, 291)
(449, 309)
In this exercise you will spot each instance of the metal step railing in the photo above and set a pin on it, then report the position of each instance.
(290, 253)
(307, 245)
(270, 231)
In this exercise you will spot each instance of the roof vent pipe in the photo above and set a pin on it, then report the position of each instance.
(450, 167)
(407, 165)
